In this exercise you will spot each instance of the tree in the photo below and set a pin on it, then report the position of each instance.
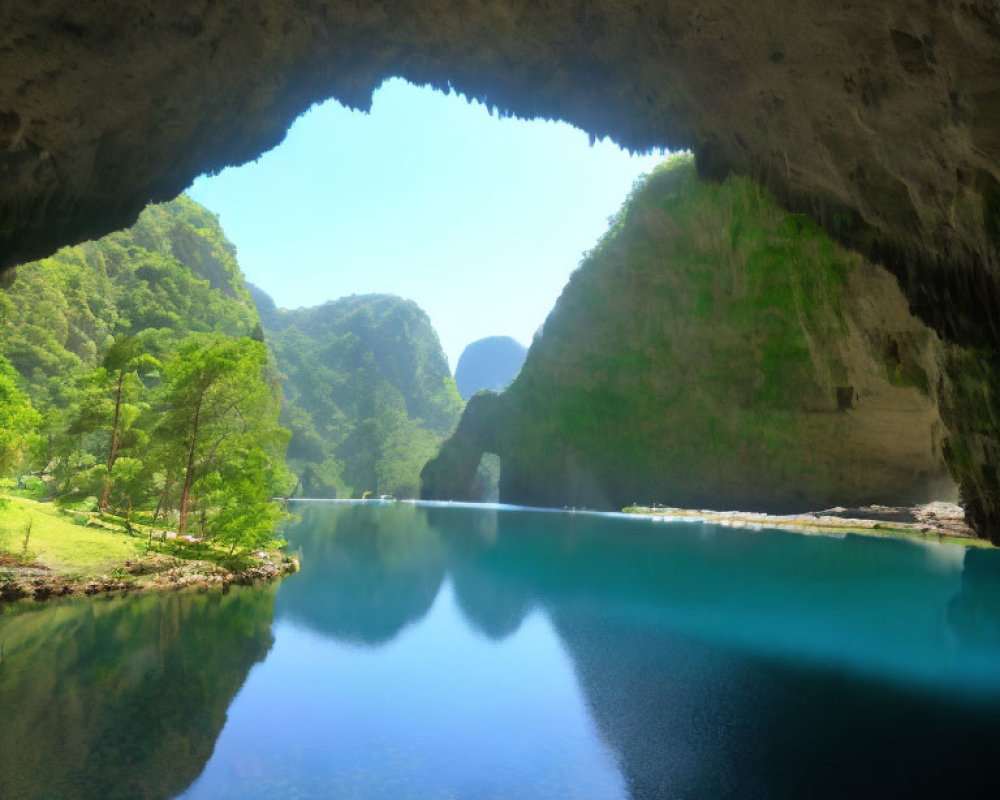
(123, 363)
(219, 417)
(246, 515)
(18, 419)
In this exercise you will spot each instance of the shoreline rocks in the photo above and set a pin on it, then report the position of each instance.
(941, 522)
(39, 583)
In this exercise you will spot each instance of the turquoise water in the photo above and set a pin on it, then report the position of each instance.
(451, 652)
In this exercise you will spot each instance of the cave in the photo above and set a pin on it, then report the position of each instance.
(881, 121)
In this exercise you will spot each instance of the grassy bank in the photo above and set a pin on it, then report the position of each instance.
(48, 551)
(64, 542)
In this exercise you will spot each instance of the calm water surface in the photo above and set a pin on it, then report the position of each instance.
(449, 652)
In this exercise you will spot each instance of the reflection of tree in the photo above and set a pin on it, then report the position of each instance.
(368, 571)
(123, 699)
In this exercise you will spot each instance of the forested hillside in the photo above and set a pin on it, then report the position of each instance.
(149, 384)
(173, 273)
(134, 374)
(368, 393)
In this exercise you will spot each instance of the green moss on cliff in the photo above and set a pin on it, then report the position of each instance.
(710, 350)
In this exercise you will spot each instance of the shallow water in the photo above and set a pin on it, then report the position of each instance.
(449, 652)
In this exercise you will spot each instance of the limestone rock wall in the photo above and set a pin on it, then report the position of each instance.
(882, 120)
(716, 352)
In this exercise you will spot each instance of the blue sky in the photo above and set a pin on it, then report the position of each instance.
(478, 219)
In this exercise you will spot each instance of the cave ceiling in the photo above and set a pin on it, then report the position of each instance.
(881, 120)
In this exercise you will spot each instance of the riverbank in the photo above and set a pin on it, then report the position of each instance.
(50, 552)
(934, 522)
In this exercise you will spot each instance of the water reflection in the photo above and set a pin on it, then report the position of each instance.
(894, 609)
(724, 663)
(122, 699)
(364, 576)
(974, 613)
(434, 652)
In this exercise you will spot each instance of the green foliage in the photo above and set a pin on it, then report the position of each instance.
(171, 274)
(246, 517)
(368, 390)
(115, 342)
(219, 434)
(727, 296)
(18, 420)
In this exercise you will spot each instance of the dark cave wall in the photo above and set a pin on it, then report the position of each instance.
(880, 119)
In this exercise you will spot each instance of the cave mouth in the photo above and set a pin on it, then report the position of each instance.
(479, 218)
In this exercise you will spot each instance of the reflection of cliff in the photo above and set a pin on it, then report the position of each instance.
(975, 610)
(123, 699)
(367, 571)
(715, 663)
(689, 720)
(490, 588)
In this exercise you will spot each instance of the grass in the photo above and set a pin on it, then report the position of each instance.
(60, 542)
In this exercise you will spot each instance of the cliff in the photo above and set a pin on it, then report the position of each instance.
(878, 120)
(368, 393)
(715, 351)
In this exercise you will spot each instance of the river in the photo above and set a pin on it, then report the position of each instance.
(435, 651)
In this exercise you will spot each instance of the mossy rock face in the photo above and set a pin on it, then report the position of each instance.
(714, 351)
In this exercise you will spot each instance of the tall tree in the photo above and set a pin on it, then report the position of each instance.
(217, 409)
(18, 420)
(122, 365)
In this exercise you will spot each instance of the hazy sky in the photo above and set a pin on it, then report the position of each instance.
(478, 219)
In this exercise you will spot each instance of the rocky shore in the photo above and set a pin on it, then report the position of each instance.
(157, 573)
(938, 522)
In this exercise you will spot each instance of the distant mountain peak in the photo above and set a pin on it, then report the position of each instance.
(489, 364)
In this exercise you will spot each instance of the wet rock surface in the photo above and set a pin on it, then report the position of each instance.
(941, 522)
(37, 582)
